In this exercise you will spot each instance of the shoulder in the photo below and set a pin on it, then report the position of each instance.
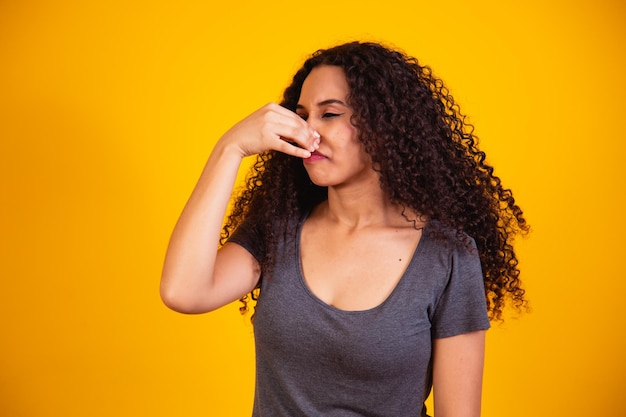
(259, 234)
(449, 240)
(460, 304)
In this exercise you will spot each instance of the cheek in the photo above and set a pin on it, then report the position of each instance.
(360, 159)
(344, 139)
(351, 137)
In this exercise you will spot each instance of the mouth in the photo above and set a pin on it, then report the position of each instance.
(315, 156)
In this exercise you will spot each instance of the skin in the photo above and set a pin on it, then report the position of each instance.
(363, 240)
(342, 163)
(355, 246)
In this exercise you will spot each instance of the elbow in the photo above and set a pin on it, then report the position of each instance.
(172, 301)
(182, 303)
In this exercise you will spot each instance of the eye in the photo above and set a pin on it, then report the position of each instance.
(303, 116)
(329, 115)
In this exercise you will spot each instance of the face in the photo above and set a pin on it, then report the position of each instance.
(340, 159)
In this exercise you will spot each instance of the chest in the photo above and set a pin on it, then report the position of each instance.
(291, 312)
(297, 329)
(355, 271)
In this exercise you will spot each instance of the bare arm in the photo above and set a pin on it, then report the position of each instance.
(458, 374)
(196, 277)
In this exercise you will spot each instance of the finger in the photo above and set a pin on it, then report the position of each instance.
(291, 148)
(297, 132)
(302, 132)
(303, 139)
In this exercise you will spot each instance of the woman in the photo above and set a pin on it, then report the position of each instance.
(377, 241)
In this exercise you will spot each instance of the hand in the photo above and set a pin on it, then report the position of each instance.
(273, 127)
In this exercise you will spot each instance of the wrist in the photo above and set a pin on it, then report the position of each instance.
(228, 149)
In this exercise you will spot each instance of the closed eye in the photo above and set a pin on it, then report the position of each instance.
(330, 115)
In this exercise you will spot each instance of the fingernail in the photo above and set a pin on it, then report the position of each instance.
(317, 135)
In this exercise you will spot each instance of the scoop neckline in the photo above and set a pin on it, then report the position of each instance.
(314, 297)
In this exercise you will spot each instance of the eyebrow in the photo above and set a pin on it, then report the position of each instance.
(325, 103)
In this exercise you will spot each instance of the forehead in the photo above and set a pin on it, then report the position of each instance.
(324, 82)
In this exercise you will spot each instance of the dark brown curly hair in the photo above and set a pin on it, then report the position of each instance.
(425, 152)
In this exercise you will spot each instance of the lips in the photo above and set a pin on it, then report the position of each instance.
(315, 156)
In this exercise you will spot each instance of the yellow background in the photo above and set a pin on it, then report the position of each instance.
(108, 111)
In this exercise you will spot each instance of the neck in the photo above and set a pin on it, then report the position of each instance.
(361, 206)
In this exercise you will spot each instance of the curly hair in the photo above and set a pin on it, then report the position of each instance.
(425, 152)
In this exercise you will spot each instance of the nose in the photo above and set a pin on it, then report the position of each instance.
(316, 126)
(312, 123)
(316, 141)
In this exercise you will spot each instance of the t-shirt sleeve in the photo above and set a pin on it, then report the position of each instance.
(462, 307)
(248, 235)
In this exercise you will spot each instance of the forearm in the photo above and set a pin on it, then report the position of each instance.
(189, 282)
(190, 259)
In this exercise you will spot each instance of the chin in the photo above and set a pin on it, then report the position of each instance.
(317, 177)
(321, 180)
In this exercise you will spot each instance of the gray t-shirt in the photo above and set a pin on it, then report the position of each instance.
(315, 360)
